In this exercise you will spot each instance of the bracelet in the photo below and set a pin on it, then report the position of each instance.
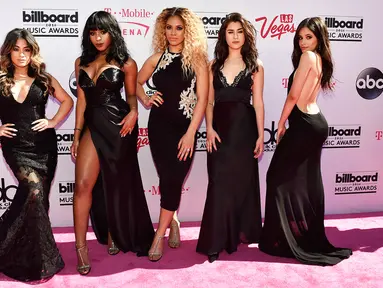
(77, 129)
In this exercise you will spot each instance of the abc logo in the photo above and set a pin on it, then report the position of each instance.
(369, 83)
(201, 134)
(7, 192)
(73, 84)
(272, 139)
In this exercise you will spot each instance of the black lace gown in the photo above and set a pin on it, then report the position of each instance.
(232, 213)
(119, 203)
(28, 251)
(294, 220)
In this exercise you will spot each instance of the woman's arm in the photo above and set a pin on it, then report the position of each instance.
(66, 104)
(143, 75)
(130, 84)
(258, 104)
(211, 134)
(186, 144)
(306, 61)
(80, 109)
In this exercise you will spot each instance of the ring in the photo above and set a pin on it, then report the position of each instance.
(188, 149)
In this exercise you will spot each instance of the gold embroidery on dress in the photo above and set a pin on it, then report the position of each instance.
(188, 100)
(166, 59)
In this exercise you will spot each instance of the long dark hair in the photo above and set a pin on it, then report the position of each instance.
(319, 28)
(249, 51)
(36, 67)
(101, 20)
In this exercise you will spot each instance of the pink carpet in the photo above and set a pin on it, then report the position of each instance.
(248, 267)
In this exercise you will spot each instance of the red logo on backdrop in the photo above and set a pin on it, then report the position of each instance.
(130, 20)
(155, 190)
(280, 25)
(285, 82)
(142, 139)
(379, 134)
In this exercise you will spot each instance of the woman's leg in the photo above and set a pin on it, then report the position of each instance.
(86, 173)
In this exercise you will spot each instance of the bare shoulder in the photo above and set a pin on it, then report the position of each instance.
(54, 81)
(308, 58)
(77, 62)
(130, 65)
(260, 65)
(153, 60)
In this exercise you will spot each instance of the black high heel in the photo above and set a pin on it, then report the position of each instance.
(212, 257)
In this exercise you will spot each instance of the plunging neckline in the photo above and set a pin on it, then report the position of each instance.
(102, 72)
(26, 96)
(235, 78)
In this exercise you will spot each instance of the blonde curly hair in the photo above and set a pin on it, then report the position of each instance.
(194, 51)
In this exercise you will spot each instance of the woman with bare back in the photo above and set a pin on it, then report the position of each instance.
(294, 220)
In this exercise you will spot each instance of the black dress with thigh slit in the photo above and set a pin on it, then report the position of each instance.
(119, 204)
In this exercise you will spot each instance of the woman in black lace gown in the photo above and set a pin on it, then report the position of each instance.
(180, 77)
(106, 155)
(234, 127)
(28, 251)
(294, 220)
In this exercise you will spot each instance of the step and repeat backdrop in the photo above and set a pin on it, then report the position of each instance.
(352, 155)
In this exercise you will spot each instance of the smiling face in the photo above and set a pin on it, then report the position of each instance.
(307, 40)
(235, 35)
(175, 31)
(21, 53)
(101, 39)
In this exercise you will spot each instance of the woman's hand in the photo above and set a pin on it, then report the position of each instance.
(42, 124)
(7, 131)
(74, 148)
(280, 132)
(258, 147)
(155, 99)
(210, 140)
(186, 146)
(128, 123)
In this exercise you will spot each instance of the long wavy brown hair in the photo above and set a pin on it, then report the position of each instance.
(194, 51)
(319, 28)
(249, 51)
(36, 68)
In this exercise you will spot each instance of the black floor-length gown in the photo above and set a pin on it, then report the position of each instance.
(232, 211)
(168, 123)
(28, 251)
(294, 220)
(119, 204)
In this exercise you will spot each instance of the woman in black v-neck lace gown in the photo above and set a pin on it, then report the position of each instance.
(232, 213)
(108, 179)
(28, 250)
